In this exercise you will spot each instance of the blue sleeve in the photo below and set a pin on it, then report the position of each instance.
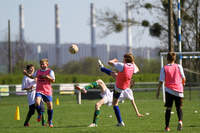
(106, 70)
(162, 74)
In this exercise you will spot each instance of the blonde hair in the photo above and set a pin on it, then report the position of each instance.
(44, 60)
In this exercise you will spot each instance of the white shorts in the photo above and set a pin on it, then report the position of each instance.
(107, 95)
(126, 94)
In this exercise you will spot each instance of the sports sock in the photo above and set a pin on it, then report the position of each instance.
(117, 113)
(179, 113)
(50, 114)
(167, 117)
(96, 116)
(30, 113)
(28, 117)
(38, 108)
(106, 70)
(91, 85)
(43, 118)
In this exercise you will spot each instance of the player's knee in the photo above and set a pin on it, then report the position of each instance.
(37, 101)
(97, 105)
(49, 105)
(99, 81)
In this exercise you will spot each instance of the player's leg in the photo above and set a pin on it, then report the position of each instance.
(102, 85)
(97, 113)
(106, 70)
(87, 87)
(116, 109)
(103, 69)
(42, 112)
(178, 103)
(128, 94)
(29, 114)
(168, 105)
(49, 101)
(38, 107)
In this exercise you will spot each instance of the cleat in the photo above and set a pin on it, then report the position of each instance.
(180, 126)
(39, 118)
(167, 129)
(121, 124)
(50, 124)
(93, 125)
(100, 63)
(26, 124)
(80, 89)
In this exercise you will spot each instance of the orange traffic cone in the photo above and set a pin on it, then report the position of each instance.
(17, 114)
(57, 102)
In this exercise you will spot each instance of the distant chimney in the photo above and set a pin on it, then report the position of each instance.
(93, 26)
(57, 34)
(21, 23)
(57, 25)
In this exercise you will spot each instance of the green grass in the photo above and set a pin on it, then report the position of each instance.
(70, 117)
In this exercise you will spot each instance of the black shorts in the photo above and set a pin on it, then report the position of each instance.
(116, 94)
(170, 98)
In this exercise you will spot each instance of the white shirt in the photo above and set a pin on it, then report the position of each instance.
(27, 83)
(120, 66)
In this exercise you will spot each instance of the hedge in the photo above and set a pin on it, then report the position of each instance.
(66, 78)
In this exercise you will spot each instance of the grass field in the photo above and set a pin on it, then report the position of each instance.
(70, 117)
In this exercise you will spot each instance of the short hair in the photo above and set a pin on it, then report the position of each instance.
(171, 56)
(29, 66)
(129, 58)
(44, 60)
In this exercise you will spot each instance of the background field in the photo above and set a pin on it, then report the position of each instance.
(70, 117)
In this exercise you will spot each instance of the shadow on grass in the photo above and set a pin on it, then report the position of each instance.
(62, 126)
(71, 126)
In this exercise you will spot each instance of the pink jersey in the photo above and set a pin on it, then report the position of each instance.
(43, 84)
(173, 78)
(124, 77)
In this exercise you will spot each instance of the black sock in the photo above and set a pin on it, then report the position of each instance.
(167, 117)
(179, 113)
(30, 113)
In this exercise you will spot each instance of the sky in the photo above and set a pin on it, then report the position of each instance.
(39, 19)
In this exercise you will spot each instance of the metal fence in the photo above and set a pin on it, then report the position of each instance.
(68, 89)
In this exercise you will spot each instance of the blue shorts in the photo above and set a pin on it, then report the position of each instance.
(44, 97)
